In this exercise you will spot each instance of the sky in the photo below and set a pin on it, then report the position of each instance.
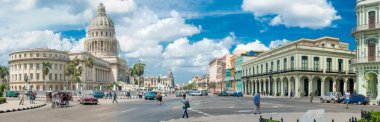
(181, 35)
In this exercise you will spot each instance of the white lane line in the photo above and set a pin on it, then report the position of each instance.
(129, 110)
(99, 109)
(200, 112)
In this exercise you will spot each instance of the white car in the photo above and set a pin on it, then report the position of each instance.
(196, 93)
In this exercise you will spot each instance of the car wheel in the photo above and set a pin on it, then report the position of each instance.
(360, 103)
(332, 101)
(322, 101)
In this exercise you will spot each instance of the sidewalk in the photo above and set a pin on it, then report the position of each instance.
(13, 105)
(287, 117)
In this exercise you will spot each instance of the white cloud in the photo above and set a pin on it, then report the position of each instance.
(182, 55)
(255, 46)
(278, 43)
(314, 14)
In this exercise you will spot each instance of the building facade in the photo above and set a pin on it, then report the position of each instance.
(160, 83)
(301, 67)
(100, 44)
(366, 34)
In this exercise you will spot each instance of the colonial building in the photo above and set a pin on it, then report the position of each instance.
(160, 83)
(301, 67)
(367, 36)
(214, 64)
(100, 44)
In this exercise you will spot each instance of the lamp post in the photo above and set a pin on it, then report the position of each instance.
(270, 81)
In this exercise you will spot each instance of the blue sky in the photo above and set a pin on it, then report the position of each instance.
(179, 35)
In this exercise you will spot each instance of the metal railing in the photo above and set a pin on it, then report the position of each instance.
(366, 59)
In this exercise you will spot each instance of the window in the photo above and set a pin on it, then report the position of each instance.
(37, 66)
(50, 76)
(316, 63)
(25, 66)
(285, 64)
(31, 55)
(37, 76)
(56, 66)
(19, 55)
(60, 66)
(96, 33)
(44, 54)
(292, 62)
(38, 55)
(340, 65)
(24, 55)
(323, 45)
(56, 56)
(371, 19)
(333, 45)
(60, 76)
(249, 71)
(304, 63)
(31, 76)
(271, 65)
(266, 67)
(253, 70)
(19, 76)
(278, 65)
(56, 76)
(329, 64)
(30, 66)
(50, 55)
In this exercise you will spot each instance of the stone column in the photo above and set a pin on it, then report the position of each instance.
(345, 85)
(289, 87)
(252, 85)
(275, 88)
(282, 88)
(259, 86)
(310, 85)
(323, 89)
(297, 90)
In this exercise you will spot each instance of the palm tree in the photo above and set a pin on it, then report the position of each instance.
(69, 71)
(77, 74)
(76, 61)
(138, 69)
(89, 62)
(46, 66)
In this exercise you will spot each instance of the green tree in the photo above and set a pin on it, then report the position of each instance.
(3, 72)
(138, 70)
(69, 71)
(77, 74)
(89, 63)
(46, 66)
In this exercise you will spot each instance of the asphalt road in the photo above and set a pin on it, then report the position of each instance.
(151, 111)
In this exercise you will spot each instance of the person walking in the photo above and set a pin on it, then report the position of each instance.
(256, 102)
(311, 97)
(30, 96)
(22, 98)
(129, 94)
(114, 95)
(109, 95)
(347, 95)
(186, 105)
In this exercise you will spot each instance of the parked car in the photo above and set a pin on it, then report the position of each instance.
(150, 95)
(88, 99)
(223, 93)
(178, 93)
(98, 94)
(230, 92)
(196, 93)
(12, 94)
(204, 93)
(215, 92)
(331, 97)
(238, 94)
(357, 98)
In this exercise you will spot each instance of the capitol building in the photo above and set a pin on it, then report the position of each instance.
(100, 44)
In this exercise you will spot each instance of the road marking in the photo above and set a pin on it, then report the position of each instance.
(200, 112)
(99, 109)
(129, 110)
(275, 106)
(244, 111)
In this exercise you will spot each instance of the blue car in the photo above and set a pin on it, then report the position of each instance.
(150, 95)
(238, 94)
(358, 99)
(98, 94)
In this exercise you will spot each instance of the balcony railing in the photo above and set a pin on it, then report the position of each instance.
(365, 27)
(366, 59)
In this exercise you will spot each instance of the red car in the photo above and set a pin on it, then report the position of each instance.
(88, 99)
(215, 92)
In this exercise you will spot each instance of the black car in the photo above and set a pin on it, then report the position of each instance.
(204, 93)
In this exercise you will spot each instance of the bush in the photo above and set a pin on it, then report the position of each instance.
(375, 117)
(3, 100)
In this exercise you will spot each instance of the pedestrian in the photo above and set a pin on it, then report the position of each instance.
(256, 102)
(22, 98)
(129, 94)
(291, 93)
(347, 95)
(114, 96)
(311, 97)
(80, 93)
(30, 96)
(109, 95)
(186, 105)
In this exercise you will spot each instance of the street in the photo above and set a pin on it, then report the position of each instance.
(151, 111)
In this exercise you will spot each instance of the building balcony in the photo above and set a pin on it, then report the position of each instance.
(365, 28)
(366, 59)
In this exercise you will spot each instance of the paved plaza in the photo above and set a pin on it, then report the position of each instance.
(203, 108)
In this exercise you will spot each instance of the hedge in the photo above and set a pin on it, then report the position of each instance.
(374, 117)
(3, 100)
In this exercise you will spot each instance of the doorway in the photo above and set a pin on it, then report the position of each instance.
(306, 87)
(371, 50)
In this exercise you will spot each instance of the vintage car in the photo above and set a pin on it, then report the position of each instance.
(98, 94)
(150, 95)
(88, 99)
(12, 94)
(178, 93)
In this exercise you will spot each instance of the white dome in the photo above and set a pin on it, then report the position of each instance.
(102, 20)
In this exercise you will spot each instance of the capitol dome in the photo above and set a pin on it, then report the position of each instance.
(102, 20)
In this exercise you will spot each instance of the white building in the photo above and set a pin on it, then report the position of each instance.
(100, 44)
(302, 67)
(367, 36)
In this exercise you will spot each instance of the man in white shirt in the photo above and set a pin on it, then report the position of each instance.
(347, 95)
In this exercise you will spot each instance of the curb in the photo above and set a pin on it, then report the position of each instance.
(22, 109)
